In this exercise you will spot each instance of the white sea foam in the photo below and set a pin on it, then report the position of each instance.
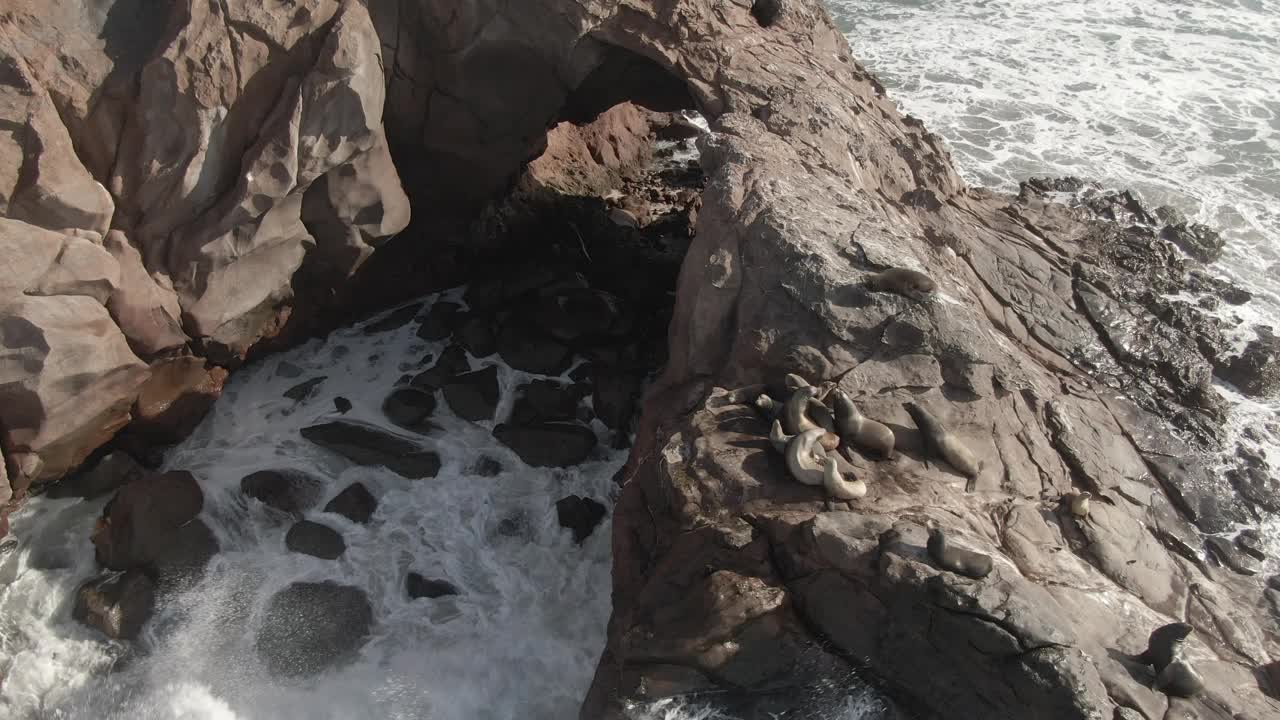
(520, 641)
(1174, 100)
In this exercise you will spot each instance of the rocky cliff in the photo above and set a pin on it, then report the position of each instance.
(179, 187)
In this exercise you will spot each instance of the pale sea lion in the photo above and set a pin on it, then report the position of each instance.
(829, 441)
(837, 486)
(860, 431)
(939, 441)
(901, 281)
(1166, 653)
(957, 560)
(1078, 503)
(805, 457)
(624, 218)
(778, 438)
(795, 413)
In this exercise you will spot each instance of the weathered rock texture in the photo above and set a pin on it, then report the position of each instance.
(169, 174)
(246, 159)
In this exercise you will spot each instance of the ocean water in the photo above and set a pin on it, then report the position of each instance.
(1177, 100)
(519, 642)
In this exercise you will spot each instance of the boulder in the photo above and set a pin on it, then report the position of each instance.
(1196, 240)
(410, 408)
(421, 587)
(397, 318)
(543, 400)
(439, 321)
(580, 515)
(531, 353)
(572, 314)
(369, 445)
(354, 503)
(1256, 371)
(177, 396)
(312, 538)
(67, 383)
(142, 521)
(473, 396)
(117, 604)
(305, 389)
(615, 398)
(182, 562)
(477, 335)
(548, 444)
(341, 405)
(286, 490)
(310, 627)
(452, 362)
(111, 471)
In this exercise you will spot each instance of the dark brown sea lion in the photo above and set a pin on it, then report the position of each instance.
(957, 560)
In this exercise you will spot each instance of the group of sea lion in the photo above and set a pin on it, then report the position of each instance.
(809, 433)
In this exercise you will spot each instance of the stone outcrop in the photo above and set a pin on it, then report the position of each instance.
(171, 178)
(247, 154)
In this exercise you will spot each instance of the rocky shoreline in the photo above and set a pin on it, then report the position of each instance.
(241, 178)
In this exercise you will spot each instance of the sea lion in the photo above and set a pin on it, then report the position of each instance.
(795, 413)
(777, 438)
(901, 281)
(770, 407)
(1165, 652)
(805, 457)
(957, 560)
(793, 381)
(624, 218)
(1078, 504)
(939, 441)
(860, 431)
(838, 487)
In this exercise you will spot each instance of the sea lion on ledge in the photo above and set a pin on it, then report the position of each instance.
(806, 458)
(937, 440)
(860, 431)
(957, 560)
(901, 281)
(1165, 652)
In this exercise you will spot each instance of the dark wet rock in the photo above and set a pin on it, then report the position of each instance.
(342, 405)
(543, 400)
(310, 627)
(287, 490)
(369, 445)
(473, 396)
(479, 337)
(1201, 494)
(1254, 480)
(410, 408)
(1229, 556)
(515, 525)
(1249, 542)
(616, 395)
(354, 503)
(420, 587)
(486, 467)
(182, 562)
(583, 374)
(580, 515)
(304, 390)
(452, 362)
(440, 321)
(550, 444)
(1256, 371)
(531, 353)
(312, 538)
(140, 523)
(111, 471)
(1198, 281)
(572, 314)
(118, 604)
(1198, 241)
(395, 319)
(287, 369)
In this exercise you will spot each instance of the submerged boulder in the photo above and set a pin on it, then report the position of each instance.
(543, 400)
(580, 515)
(310, 627)
(116, 603)
(140, 523)
(369, 445)
(473, 396)
(548, 444)
(290, 491)
(421, 587)
(410, 408)
(531, 353)
(355, 503)
(316, 540)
